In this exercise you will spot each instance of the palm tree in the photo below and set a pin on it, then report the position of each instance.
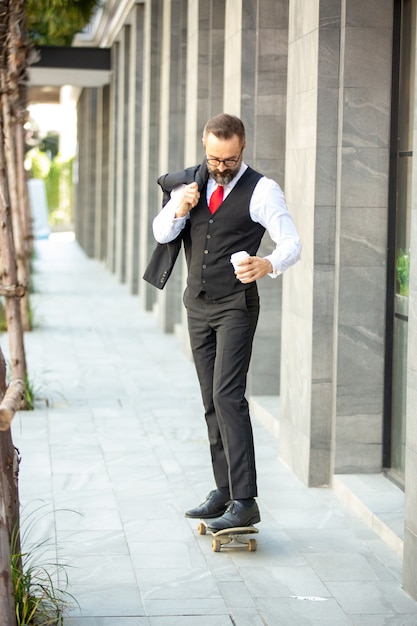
(55, 22)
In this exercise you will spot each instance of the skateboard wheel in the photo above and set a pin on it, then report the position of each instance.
(252, 545)
(202, 529)
(216, 545)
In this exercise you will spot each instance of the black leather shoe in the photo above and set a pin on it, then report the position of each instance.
(237, 514)
(213, 506)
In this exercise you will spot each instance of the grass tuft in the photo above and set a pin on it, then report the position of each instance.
(40, 588)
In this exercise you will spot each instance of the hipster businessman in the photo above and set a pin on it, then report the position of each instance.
(229, 214)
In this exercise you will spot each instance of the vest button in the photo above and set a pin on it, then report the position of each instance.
(205, 251)
(204, 267)
(208, 236)
(211, 221)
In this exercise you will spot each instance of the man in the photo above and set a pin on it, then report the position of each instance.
(230, 214)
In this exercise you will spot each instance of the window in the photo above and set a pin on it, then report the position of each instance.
(399, 238)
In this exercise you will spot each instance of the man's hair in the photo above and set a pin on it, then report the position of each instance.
(225, 126)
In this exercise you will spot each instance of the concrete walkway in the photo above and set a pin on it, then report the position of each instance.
(115, 452)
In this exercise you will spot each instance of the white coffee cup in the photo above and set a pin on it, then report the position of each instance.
(238, 256)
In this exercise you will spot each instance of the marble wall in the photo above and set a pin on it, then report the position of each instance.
(338, 110)
(134, 104)
(171, 135)
(410, 529)
(361, 233)
(114, 108)
(150, 198)
(102, 172)
(85, 216)
(255, 89)
(121, 152)
(300, 176)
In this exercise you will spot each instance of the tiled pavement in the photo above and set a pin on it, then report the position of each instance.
(116, 451)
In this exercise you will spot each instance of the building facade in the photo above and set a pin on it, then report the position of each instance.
(326, 90)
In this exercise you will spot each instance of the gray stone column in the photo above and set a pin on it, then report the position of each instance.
(78, 167)
(410, 529)
(361, 230)
(112, 184)
(171, 137)
(134, 147)
(204, 84)
(297, 312)
(256, 45)
(150, 198)
(205, 71)
(86, 187)
(102, 172)
(98, 176)
(337, 188)
(191, 91)
(410, 526)
(121, 146)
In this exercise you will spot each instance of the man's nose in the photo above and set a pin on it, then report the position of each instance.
(222, 166)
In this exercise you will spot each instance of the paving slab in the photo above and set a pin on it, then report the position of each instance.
(116, 450)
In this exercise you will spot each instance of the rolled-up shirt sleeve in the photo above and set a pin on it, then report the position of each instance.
(269, 208)
(166, 227)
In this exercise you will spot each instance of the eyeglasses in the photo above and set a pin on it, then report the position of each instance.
(226, 162)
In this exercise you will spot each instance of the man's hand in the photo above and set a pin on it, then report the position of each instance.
(189, 200)
(252, 268)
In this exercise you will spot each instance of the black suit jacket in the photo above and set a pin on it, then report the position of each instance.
(165, 254)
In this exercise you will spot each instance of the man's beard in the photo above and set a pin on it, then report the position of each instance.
(222, 178)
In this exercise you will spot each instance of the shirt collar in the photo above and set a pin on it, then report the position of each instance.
(211, 184)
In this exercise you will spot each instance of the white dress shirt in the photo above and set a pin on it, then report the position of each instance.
(267, 207)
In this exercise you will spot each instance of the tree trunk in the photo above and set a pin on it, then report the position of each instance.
(14, 114)
(12, 66)
(7, 604)
(22, 189)
(9, 132)
(11, 403)
(9, 470)
(9, 512)
(9, 278)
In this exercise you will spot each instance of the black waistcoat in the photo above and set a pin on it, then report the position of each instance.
(212, 239)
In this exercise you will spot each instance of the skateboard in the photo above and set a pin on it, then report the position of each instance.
(237, 536)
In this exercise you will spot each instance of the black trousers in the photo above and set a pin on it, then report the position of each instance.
(221, 335)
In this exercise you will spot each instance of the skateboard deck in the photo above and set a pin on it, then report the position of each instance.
(237, 536)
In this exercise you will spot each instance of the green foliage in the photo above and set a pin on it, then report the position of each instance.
(55, 22)
(37, 598)
(57, 175)
(52, 183)
(30, 395)
(59, 191)
(37, 163)
(50, 144)
(403, 271)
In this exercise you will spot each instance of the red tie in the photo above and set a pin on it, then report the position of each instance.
(216, 198)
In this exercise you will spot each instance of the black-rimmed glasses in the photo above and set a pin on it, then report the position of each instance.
(226, 162)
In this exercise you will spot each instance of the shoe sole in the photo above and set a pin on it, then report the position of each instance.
(252, 522)
(213, 516)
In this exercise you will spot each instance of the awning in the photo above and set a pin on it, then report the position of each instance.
(76, 66)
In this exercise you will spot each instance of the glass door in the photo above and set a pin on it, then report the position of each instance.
(399, 239)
